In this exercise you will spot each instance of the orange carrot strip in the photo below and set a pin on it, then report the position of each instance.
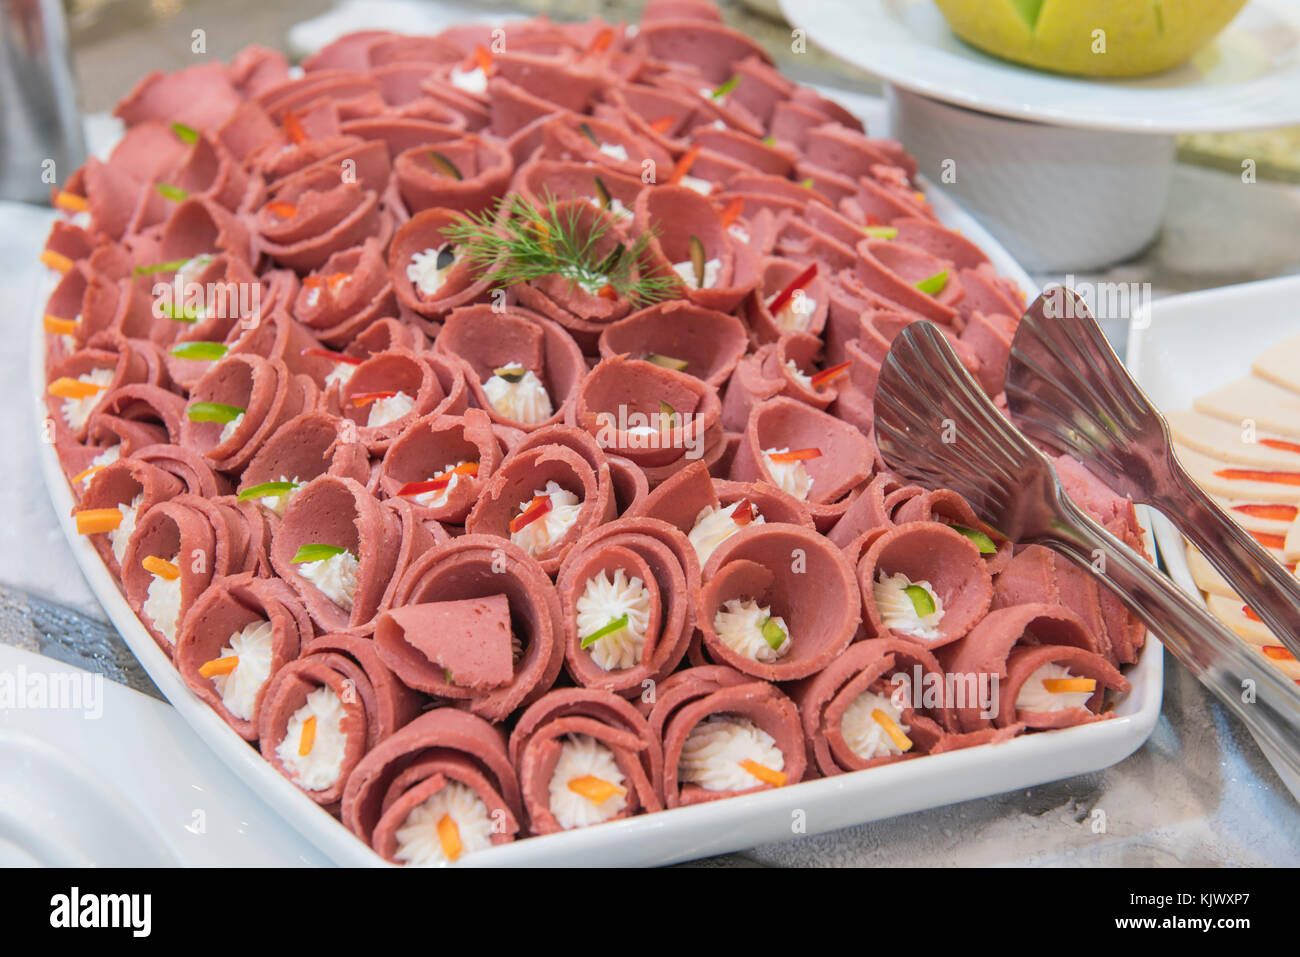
(1250, 613)
(481, 59)
(65, 387)
(449, 837)
(594, 789)
(901, 741)
(538, 507)
(95, 521)
(1280, 513)
(765, 774)
(282, 209)
(219, 666)
(86, 473)
(56, 261)
(799, 282)
(71, 202)
(1069, 685)
(1256, 475)
(1269, 540)
(731, 212)
(365, 398)
(1280, 445)
(663, 124)
(600, 43)
(683, 165)
(308, 738)
(830, 375)
(161, 567)
(1277, 653)
(795, 455)
(607, 291)
(293, 126)
(60, 327)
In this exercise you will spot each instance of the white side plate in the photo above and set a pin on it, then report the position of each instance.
(1247, 78)
(683, 833)
(1183, 347)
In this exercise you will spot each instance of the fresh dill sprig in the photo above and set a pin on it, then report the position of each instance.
(518, 241)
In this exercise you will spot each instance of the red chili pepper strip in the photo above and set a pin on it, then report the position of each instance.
(795, 455)
(786, 294)
(539, 506)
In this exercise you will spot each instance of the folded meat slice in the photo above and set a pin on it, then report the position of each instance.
(1047, 643)
(440, 788)
(626, 594)
(132, 487)
(325, 710)
(472, 568)
(925, 582)
(583, 757)
(777, 601)
(390, 390)
(881, 701)
(441, 464)
(671, 333)
(305, 447)
(235, 638)
(725, 734)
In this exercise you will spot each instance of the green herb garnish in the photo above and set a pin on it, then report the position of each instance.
(666, 411)
(667, 362)
(769, 140)
(509, 374)
(772, 633)
(444, 166)
(174, 193)
(213, 412)
(922, 603)
(606, 200)
(727, 87)
(881, 232)
(983, 542)
(618, 624)
(698, 261)
(586, 130)
(186, 134)
(519, 240)
(150, 270)
(190, 312)
(806, 183)
(316, 552)
(200, 351)
(932, 285)
(267, 490)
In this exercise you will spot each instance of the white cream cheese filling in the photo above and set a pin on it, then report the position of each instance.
(713, 526)
(739, 625)
(714, 750)
(865, 736)
(120, 536)
(418, 843)
(687, 271)
(539, 535)
(162, 604)
(229, 428)
(583, 756)
(239, 689)
(525, 401)
(384, 411)
(423, 271)
(790, 477)
(335, 577)
(319, 768)
(898, 612)
(76, 411)
(603, 601)
(1034, 696)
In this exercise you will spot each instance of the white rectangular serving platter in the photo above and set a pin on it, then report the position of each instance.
(1184, 346)
(684, 833)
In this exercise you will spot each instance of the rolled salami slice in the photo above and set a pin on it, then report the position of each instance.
(873, 509)
(948, 507)
(322, 712)
(892, 270)
(200, 96)
(881, 701)
(92, 375)
(672, 333)
(251, 398)
(351, 291)
(546, 495)
(327, 217)
(709, 511)
(188, 541)
(584, 757)
(466, 174)
(390, 390)
(807, 453)
(304, 448)
(626, 594)
(129, 418)
(454, 456)
(440, 788)
(784, 367)
(1054, 634)
(132, 487)
(777, 602)
(478, 569)
(525, 369)
(725, 734)
(258, 622)
(352, 544)
(925, 582)
(195, 474)
(654, 416)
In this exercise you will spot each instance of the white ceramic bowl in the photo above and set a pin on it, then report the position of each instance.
(1058, 199)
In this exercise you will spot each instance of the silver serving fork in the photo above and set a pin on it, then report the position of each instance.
(936, 427)
(1067, 390)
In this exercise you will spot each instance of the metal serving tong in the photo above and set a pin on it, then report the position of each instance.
(936, 427)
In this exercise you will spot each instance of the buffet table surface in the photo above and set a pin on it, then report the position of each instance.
(1197, 793)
